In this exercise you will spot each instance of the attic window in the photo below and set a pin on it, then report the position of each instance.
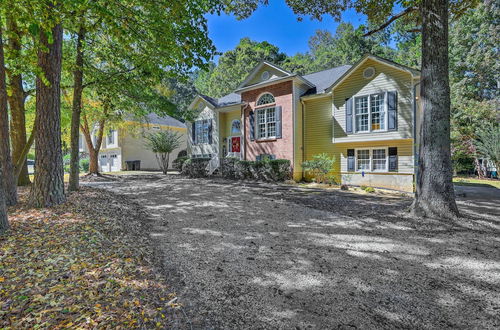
(265, 75)
(265, 99)
(369, 72)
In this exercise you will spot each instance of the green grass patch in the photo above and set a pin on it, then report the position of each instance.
(475, 182)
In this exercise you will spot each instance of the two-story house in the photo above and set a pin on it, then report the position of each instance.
(364, 115)
(125, 147)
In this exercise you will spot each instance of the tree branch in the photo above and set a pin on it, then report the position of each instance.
(390, 20)
(414, 30)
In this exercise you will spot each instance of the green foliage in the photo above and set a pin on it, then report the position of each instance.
(346, 46)
(276, 170)
(319, 166)
(179, 162)
(84, 165)
(369, 190)
(235, 65)
(163, 142)
(488, 143)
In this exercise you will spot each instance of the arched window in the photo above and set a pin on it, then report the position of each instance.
(265, 99)
(236, 127)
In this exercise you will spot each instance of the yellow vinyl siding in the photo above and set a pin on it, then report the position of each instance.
(318, 130)
(226, 120)
(298, 153)
(386, 79)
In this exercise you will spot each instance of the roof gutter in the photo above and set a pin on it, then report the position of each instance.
(273, 81)
(315, 96)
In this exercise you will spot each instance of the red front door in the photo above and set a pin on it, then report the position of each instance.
(235, 144)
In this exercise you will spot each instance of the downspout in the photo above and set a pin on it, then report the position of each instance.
(243, 122)
(415, 151)
(303, 135)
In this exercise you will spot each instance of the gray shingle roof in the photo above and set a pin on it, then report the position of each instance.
(153, 118)
(326, 78)
(228, 99)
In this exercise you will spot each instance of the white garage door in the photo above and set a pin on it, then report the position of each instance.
(114, 163)
(103, 163)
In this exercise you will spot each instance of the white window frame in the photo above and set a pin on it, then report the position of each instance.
(231, 128)
(266, 123)
(369, 97)
(203, 133)
(113, 133)
(265, 104)
(370, 150)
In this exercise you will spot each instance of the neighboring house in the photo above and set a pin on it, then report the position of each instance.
(125, 148)
(364, 115)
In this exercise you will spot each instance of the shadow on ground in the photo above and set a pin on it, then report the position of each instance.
(263, 256)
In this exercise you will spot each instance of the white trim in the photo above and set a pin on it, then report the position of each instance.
(266, 123)
(370, 155)
(230, 153)
(363, 60)
(266, 104)
(369, 100)
(252, 74)
(198, 97)
(231, 127)
(274, 81)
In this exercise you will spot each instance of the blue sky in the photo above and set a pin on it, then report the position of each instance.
(275, 23)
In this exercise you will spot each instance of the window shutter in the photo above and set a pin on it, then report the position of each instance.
(193, 132)
(251, 119)
(393, 159)
(278, 122)
(258, 158)
(392, 110)
(209, 131)
(348, 115)
(272, 157)
(350, 160)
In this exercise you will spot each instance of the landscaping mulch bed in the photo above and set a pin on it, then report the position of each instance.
(83, 264)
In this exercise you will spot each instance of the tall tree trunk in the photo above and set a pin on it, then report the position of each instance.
(435, 195)
(74, 172)
(16, 101)
(93, 161)
(87, 131)
(7, 177)
(48, 186)
(4, 220)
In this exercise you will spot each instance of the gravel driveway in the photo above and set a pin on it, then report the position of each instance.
(261, 256)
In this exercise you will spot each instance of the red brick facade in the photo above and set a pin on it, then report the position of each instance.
(283, 147)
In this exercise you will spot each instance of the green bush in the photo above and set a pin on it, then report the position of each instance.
(276, 170)
(319, 166)
(331, 180)
(363, 187)
(369, 190)
(84, 165)
(82, 168)
(178, 162)
(195, 167)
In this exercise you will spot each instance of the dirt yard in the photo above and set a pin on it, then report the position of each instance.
(260, 256)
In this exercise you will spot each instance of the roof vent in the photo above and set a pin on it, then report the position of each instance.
(369, 72)
(265, 75)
